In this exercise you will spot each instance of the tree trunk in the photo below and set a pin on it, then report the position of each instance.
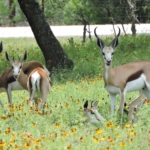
(55, 56)
(123, 29)
(12, 13)
(132, 9)
(133, 28)
(43, 6)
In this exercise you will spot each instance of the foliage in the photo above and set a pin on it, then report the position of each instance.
(68, 12)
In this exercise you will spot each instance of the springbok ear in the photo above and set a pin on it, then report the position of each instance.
(25, 56)
(115, 42)
(95, 104)
(86, 104)
(7, 57)
(1, 47)
(100, 43)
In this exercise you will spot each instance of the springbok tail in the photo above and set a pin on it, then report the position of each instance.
(48, 73)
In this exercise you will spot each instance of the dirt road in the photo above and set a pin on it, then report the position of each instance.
(71, 31)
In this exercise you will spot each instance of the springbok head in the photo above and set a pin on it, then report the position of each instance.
(16, 64)
(107, 51)
(1, 47)
(91, 113)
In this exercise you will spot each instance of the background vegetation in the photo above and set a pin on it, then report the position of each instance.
(63, 125)
(68, 12)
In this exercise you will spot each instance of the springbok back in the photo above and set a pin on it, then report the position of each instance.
(39, 82)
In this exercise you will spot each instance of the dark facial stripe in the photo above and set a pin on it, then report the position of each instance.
(135, 75)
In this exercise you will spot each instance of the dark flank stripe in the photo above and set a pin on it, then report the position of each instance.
(135, 76)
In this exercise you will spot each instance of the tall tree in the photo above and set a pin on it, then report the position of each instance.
(133, 14)
(12, 13)
(53, 52)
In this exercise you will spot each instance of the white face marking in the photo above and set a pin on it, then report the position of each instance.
(16, 67)
(107, 55)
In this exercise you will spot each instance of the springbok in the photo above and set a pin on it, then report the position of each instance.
(91, 113)
(125, 78)
(37, 81)
(134, 107)
(7, 81)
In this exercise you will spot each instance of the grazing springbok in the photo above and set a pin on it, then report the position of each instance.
(37, 81)
(91, 113)
(125, 78)
(134, 107)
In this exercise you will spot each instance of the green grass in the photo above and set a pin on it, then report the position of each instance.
(63, 125)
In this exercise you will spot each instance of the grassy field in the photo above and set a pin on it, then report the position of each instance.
(63, 125)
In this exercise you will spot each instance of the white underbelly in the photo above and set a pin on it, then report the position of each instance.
(12, 86)
(113, 89)
(136, 85)
(15, 86)
(131, 86)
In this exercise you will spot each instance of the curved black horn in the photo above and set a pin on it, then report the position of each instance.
(95, 33)
(118, 32)
(100, 43)
(114, 42)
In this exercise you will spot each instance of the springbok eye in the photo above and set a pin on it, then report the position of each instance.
(20, 67)
(103, 53)
(12, 67)
(112, 53)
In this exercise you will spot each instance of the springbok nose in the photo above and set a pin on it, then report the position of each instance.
(108, 62)
(15, 76)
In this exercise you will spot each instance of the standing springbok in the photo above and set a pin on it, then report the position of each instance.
(91, 113)
(125, 78)
(8, 83)
(37, 81)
